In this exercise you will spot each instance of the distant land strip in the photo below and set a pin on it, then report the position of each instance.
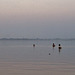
(36, 39)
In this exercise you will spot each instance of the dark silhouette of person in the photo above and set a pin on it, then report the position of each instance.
(53, 45)
(33, 45)
(49, 53)
(59, 47)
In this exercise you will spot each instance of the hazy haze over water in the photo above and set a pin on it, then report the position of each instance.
(37, 18)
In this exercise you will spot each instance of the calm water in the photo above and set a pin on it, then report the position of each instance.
(22, 50)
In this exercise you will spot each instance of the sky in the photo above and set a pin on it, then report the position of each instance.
(37, 18)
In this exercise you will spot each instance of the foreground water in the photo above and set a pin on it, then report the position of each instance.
(20, 55)
(22, 50)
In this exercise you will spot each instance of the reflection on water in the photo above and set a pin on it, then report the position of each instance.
(43, 51)
(59, 50)
(22, 58)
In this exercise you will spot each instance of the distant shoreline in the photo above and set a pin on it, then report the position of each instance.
(34, 39)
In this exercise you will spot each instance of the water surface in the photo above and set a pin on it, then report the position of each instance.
(22, 50)
(19, 57)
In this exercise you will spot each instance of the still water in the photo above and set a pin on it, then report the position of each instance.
(23, 51)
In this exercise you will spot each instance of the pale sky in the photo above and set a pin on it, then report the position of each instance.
(37, 18)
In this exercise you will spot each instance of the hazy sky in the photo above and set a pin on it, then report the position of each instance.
(37, 18)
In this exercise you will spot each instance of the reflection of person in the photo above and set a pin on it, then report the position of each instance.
(53, 45)
(59, 50)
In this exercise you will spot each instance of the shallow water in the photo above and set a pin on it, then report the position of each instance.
(19, 57)
(22, 50)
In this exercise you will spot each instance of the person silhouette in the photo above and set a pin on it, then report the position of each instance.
(53, 45)
(33, 45)
(49, 53)
(59, 47)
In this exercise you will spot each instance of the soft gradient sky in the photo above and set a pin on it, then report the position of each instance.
(37, 18)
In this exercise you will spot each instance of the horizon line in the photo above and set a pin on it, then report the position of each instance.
(37, 38)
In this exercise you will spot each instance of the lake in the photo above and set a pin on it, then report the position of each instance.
(22, 52)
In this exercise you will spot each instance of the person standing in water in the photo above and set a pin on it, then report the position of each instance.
(53, 45)
(59, 47)
(33, 45)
